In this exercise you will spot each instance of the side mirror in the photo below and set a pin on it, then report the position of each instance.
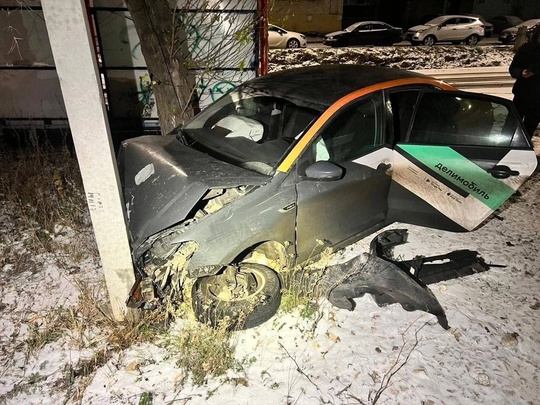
(324, 171)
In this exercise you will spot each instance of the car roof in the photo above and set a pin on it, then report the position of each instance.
(370, 22)
(320, 86)
(457, 15)
(530, 23)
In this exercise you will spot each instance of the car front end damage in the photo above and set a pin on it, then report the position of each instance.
(169, 191)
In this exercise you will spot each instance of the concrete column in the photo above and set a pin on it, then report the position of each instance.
(75, 60)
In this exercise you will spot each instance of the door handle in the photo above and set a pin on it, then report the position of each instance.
(502, 172)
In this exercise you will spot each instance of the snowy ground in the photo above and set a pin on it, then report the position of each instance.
(370, 355)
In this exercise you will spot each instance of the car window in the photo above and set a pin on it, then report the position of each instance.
(403, 103)
(353, 133)
(451, 21)
(442, 119)
(378, 27)
(248, 129)
(466, 20)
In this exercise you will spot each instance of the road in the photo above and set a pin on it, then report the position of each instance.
(317, 42)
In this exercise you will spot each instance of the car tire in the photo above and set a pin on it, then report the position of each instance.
(429, 40)
(472, 40)
(259, 296)
(293, 43)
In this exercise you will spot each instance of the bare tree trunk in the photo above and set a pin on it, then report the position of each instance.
(165, 49)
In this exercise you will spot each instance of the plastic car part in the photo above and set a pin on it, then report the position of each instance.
(239, 298)
(430, 269)
(385, 281)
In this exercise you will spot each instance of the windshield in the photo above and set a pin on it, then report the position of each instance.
(351, 28)
(529, 23)
(249, 129)
(436, 21)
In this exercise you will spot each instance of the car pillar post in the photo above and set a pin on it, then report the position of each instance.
(76, 64)
(521, 37)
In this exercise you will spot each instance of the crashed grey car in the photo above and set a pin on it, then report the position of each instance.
(288, 164)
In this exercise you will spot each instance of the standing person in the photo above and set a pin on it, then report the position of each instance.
(525, 68)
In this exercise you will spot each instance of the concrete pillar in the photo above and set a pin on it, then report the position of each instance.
(75, 60)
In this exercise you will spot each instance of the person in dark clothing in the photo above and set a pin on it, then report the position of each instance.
(525, 68)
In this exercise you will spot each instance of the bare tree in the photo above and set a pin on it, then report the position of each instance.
(186, 47)
(165, 49)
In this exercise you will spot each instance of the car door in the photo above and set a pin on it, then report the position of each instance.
(449, 30)
(463, 155)
(275, 37)
(334, 212)
(361, 35)
(379, 34)
(467, 27)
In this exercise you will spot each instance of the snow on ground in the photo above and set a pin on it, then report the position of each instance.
(370, 355)
(403, 57)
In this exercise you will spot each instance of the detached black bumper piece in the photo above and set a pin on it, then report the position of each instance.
(385, 281)
(455, 264)
(391, 281)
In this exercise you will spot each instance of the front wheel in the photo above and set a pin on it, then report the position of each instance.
(238, 298)
(472, 40)
(429, 40)
(293, 43)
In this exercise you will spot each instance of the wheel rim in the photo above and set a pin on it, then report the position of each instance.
(235, 285)
(472, 40)
(293, 43)
(429, 41)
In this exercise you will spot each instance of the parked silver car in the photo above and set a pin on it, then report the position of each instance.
(447, 28)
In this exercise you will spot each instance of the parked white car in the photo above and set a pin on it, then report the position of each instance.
(281, 38)
(447, 28)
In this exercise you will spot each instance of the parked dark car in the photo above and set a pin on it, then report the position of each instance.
(221, 210)
(502, 22)
(508, 36)
(365, 33)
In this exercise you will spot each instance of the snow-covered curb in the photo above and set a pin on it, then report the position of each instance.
(404, 57)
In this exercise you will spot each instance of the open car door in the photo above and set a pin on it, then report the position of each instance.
(462, 155)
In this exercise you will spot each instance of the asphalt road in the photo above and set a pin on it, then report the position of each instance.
(317, 42)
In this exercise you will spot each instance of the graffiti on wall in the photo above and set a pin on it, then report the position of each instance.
(225, 39)
(32, 90)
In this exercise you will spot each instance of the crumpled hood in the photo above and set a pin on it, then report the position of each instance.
(163, 180)
(336, 33)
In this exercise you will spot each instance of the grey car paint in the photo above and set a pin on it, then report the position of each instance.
(169, 186)
(165, 180)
